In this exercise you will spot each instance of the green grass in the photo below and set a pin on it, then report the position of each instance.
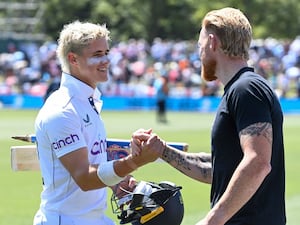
(20, 191)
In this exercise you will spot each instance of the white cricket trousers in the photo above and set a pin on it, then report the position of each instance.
(51, 218)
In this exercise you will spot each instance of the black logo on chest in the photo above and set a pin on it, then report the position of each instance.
(87, 119)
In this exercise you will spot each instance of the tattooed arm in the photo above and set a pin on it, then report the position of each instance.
(256, 143)
(194, 165)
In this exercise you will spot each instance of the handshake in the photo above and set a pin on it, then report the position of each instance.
(147, 146)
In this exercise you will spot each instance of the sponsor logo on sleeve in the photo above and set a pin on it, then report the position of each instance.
(72, 138)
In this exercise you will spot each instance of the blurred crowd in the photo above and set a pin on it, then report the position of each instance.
(30, 68)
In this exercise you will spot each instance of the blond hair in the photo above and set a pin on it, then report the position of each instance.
(233, 30)
(76, 36)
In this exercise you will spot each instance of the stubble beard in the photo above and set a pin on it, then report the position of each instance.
(208, 70)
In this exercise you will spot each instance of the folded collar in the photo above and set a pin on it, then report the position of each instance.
(78, 88)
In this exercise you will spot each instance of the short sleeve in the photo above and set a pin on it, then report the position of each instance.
(249, 103)
(64, 132)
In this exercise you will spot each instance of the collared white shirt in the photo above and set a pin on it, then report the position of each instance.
(66, 123)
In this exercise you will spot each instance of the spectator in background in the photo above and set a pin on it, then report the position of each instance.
(53, 86)
(53, 70)
(162, 91)
(270, 57)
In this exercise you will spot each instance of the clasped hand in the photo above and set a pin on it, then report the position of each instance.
(147, 144)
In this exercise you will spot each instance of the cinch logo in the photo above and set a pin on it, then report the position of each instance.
(64, 142)
(99, 147)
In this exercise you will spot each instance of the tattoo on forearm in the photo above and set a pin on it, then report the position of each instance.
(264, 129)
(170, 156)
(183, 163)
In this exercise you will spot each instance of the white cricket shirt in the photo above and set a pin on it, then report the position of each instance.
(66, 123)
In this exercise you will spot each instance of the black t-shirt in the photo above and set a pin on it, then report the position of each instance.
(248, 99)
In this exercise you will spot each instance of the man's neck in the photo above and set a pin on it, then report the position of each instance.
(228, 68)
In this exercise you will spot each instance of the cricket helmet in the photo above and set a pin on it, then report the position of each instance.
(150, 204)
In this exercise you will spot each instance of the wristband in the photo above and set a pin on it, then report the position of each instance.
(107, 175)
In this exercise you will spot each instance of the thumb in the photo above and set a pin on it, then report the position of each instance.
(132, 182)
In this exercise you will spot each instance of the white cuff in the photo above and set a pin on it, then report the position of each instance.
(107, 175)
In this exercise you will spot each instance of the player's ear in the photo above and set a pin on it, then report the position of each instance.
(213, 41)
(72, 58)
